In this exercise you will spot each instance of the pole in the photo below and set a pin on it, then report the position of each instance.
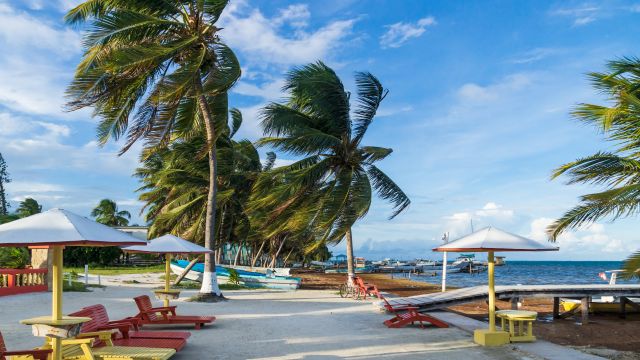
(86, 274)
(56, 303)
(492, 293)
(445, 237)
(167, 277)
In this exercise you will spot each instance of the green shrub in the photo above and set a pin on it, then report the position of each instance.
(234, 277)
(14, 258)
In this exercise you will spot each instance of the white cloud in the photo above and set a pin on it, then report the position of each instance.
(271, 90)
(581, 15)
(587, 240)
(297, 15)
(475, 94)
(260, 39)
(533, 55)
(490, 214)
(400, 32)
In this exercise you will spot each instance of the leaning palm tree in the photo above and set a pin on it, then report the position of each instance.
(28, 207)
(107, 213)
(618, 170)
(331, 187)
(162, 66)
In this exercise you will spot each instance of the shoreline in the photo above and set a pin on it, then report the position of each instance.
(603, 331)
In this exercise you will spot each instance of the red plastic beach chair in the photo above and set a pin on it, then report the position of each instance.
(36, 354)
(166, 315)
(103, 322)
(406, 315)
(93, 329)
(366, 288)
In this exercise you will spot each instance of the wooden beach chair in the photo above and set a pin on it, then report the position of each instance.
(36, 354)
(366, 288)
(405, 315)
(129, 327)
(166, 315)
(82, 348)
(117, 338)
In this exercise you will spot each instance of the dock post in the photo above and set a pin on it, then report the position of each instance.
(623, 307)
(556, 308)
(514, 303)
(584, 310)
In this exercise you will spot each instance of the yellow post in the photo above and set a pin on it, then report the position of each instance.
(167, 277)
(491, 336)
(492, 292)
(56, 304)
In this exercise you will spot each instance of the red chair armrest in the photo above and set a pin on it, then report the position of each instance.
(122, 327)
(164, 309)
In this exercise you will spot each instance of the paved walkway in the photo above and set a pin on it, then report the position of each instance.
(261, 324)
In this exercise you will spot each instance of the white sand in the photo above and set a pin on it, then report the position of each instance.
(260, 324)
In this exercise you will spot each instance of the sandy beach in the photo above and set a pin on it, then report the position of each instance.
(263, 324)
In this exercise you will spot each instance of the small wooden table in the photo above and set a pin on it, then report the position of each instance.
(45, 326)
(522, 317)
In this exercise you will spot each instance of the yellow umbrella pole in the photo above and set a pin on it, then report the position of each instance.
(492, 293)
(167, 277)
(56, 302)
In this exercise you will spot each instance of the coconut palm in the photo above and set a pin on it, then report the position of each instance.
(618, 171)
(331, 187)
(161, 66)
(107, 213)
(28, 207)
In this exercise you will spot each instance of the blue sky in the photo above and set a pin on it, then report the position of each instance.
(477, 112)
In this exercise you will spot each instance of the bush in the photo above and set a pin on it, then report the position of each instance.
(234, 277)
(14, 258)
(98, 256)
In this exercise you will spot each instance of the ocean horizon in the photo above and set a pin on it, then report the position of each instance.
(535, 272)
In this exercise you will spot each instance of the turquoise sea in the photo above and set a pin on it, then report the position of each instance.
(534, 272)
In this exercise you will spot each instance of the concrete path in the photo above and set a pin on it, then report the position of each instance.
(262, 324)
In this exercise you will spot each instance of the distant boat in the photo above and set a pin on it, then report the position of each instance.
(247, 278)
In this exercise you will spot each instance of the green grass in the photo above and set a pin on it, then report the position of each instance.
(118, 270)
(78, 286)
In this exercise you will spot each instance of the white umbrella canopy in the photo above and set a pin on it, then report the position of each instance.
(168, 244)
(62, 227)
(493, 239)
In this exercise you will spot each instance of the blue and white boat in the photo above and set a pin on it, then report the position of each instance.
(247, 278)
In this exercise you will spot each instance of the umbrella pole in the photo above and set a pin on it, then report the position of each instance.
(492, 292)
(56, 302)
(167, 277)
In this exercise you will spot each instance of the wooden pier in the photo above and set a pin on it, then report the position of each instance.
(434, 301)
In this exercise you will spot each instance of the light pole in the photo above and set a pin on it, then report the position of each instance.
(445, 238)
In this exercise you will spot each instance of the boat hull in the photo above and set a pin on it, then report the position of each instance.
(247, 278)
(597, 306)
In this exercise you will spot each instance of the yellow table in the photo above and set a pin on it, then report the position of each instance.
(522, 317)
(66, 327)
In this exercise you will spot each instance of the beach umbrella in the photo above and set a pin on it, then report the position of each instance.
(58, 228)
(167, 245)
(491, 240)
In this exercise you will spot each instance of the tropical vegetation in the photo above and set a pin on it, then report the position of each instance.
(107, 213)
(617, 170)
(322, 195)
(4, 180)
(28, 207)
(158, 71)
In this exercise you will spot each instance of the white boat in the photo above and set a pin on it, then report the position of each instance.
(246, 278)
(263, 270)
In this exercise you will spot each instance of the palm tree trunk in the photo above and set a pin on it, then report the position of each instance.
(351, 271)
(210, 289)
(238, 253)
(257, 254)
(287, 257)
(275, 256)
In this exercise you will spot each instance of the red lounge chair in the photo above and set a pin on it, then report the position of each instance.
(167, 315)
(366, 288)
(101, 317)
(406, 315)
(36, 354)
(92, 328)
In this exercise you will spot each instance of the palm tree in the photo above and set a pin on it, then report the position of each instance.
(107, 213)
(331, 187)
(618, 170)
(28, 207)
(162, 66)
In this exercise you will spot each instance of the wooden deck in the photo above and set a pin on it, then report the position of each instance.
(434, 301)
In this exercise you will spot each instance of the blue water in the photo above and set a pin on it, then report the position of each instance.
(535, 272)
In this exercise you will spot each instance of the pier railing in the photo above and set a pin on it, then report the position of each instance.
(22, 281)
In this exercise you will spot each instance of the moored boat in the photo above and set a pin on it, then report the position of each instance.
(247, 278)
(603, 304)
